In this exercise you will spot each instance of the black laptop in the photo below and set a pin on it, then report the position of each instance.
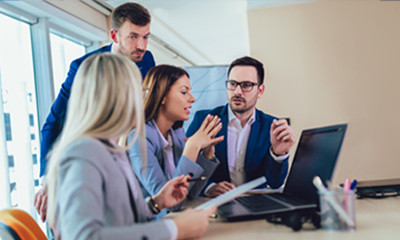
(316, 155)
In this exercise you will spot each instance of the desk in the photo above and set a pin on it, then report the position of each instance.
(375, 218)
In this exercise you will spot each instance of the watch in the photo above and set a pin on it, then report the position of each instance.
(153, 206)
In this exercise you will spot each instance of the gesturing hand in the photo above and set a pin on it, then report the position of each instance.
(209, 151)
(205, 135)
(203, 138)
(282, 137)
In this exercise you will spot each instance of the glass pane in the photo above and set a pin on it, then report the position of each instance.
(63, 52)
(19, 132)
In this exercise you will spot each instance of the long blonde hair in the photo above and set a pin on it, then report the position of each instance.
(105, 103)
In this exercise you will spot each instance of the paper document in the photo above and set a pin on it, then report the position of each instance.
(226, 197)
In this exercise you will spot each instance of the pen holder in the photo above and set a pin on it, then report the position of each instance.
(337, 210)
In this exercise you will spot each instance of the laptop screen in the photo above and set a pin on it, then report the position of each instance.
(316, 155)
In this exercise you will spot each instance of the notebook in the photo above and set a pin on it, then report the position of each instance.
(316, 155)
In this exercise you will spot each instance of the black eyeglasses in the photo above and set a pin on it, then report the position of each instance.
(246, 86)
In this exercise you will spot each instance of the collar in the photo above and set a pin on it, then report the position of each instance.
(165, 143)
(232, 117)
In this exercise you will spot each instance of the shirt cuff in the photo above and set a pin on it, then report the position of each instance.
(172, 229)
(206, 191)
(42, 180)
(278, 159)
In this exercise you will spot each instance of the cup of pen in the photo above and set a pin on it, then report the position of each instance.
(337, 210)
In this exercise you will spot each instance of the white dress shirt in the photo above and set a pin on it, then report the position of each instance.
(238, 138)
(169, 162)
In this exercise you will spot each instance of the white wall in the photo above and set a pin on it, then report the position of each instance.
(332, 62)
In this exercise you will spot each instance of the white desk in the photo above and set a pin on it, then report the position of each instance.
(375, 219)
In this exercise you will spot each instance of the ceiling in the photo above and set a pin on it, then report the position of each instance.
(199, 32)
(208, 32)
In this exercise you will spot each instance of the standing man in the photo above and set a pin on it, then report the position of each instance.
(130, 30)
(255, 144)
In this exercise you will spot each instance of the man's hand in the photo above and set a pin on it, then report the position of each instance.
(220, 188)
(41, 202)
(282, 137)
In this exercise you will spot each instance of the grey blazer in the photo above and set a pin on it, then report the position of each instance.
(93, 198)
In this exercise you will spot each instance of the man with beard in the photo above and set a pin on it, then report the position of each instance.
(255, 144)
(130, 30)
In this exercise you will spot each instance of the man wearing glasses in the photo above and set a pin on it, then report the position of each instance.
(255, 144)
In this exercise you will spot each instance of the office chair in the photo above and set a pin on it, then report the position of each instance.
(16, 224)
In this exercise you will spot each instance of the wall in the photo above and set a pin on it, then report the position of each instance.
(333, 62)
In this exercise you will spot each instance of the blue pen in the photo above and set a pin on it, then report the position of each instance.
(353, 184)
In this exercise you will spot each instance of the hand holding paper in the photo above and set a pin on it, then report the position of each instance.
(226, 197)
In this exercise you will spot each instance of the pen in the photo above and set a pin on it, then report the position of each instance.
(346, 186)
(335, 205)
(202, 178)
(353, 185)
(346, 189)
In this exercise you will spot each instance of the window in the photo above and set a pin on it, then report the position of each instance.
(63, 52)
(26, 77)
(19, 132)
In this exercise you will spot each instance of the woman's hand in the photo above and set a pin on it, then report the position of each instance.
(193, 223)
(204, 138)
(172, 193)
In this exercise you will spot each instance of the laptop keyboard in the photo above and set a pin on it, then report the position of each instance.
(258, 203)
(293, 201)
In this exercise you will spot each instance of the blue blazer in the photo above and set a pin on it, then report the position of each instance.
(154, 176)
(258, 160)
(55, 120)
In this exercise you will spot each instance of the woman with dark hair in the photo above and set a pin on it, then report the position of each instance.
(93, 192)
(167, 103)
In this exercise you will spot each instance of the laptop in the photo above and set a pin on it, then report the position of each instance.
(316, 155)
(380, 188)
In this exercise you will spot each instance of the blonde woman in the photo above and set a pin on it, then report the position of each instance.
(167, 104)
(93, 192)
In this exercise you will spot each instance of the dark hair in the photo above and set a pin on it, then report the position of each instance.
(249, 61)
(156, 85)
(133, 12)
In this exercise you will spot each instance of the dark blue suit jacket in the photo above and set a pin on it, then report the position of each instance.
(258, 160)
(55, 120)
